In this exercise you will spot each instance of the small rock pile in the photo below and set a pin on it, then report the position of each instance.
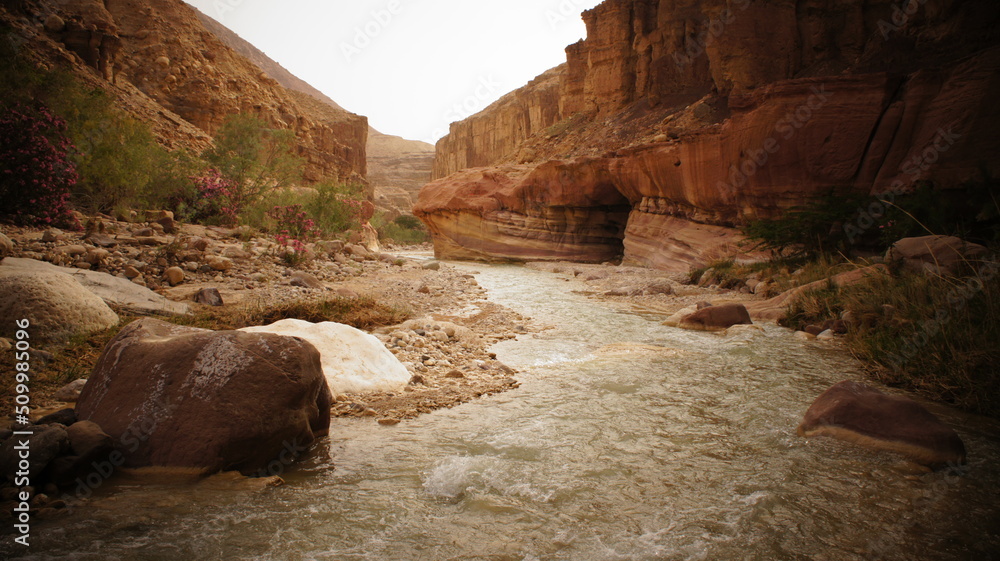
(449, 363)
(158, 252)
(68, 460)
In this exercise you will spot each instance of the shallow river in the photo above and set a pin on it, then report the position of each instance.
(628, 440)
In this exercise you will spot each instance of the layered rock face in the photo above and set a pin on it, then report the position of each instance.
(496, 213)
(165, 67)
(705, 114)
(499, 129)
(397, 170)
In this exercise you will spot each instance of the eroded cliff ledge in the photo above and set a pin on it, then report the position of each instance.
(677, 120)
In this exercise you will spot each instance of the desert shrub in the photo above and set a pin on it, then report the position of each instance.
(253, 159)
(118, 161)
(839, 222)
(215, 199)
(403, 230)
(336, 207)
(970, 211)
(931, 334)
(36, 172)
(297, 229)
(810, 229)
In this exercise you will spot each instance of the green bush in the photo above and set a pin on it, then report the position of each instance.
(254, 158)
(404, 230)
(811, 229)
(839, 221)
(335, 207)
(971, 212)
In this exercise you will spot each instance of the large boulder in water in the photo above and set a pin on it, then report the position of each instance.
(717, 318)
(353, 361)
(858, 413)
(184, 397)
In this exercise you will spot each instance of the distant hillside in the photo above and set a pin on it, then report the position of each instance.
(397, 168)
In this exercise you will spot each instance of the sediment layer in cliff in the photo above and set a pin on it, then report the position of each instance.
(164, 66)
(703, 114)
(397, 170)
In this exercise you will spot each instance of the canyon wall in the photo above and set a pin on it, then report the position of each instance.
(501, 128)
(164, 66)
(703, 114)
(397, 170)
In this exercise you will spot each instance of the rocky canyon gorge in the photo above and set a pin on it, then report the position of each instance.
(676, 121)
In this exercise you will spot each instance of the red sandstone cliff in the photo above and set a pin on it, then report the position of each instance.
(701, 114)
(500, 129)
(163, 65)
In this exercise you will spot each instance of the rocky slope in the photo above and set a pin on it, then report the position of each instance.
(689, 117)
(162, 64)
(397, 168)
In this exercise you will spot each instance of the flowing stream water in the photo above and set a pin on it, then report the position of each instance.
(627, 440)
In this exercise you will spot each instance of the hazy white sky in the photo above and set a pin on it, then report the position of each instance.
(411, 66)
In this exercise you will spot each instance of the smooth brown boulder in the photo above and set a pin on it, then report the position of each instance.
(88, 440)
(192, 398)
(858, 413)
(942, 255)
(717, 318)
(209, 297)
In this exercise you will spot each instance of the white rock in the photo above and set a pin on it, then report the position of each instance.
(802, 335)
(827, 335)
(353, 361)
(71, 391)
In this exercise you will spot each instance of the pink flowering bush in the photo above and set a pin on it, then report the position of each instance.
(295, 222)
(297, 230)
(216, 196)
(36, 174)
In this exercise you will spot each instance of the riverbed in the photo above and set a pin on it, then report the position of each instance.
(627, 440)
